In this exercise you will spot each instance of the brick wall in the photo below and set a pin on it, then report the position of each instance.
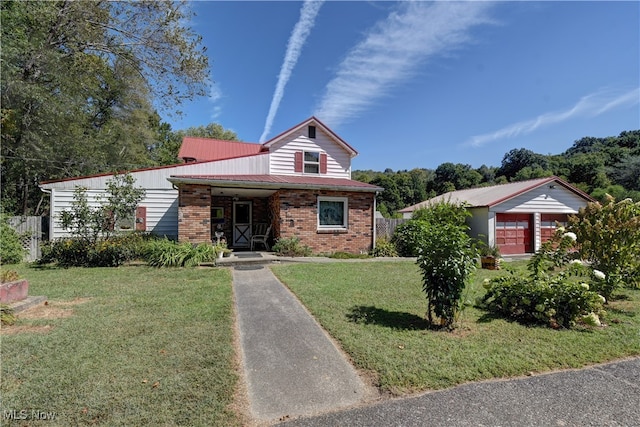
(298, 217)
(194, 213)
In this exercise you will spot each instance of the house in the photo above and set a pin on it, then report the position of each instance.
(299, 182)
(516, 217)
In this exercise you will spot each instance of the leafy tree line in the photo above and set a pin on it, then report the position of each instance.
(598, 166)
(82, 87)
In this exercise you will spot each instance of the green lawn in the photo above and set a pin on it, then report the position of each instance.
(376, 311)
(140, 346)
(145, 346)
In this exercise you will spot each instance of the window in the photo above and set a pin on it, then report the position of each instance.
(332, 213)
(311, 162)
(125, 222)
(311, 131)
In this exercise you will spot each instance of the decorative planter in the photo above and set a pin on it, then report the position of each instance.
(490, 263)
(14, 291)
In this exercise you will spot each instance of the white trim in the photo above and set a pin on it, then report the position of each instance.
(345, 213)
(306, 162)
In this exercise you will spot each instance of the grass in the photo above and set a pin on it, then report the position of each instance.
(376, 311)
(124, 346)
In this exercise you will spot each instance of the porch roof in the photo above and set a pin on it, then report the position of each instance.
(276, 182)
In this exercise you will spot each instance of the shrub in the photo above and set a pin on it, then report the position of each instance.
(409, 237)
(555, 302)
(559, 292)
(384, 248)
(447, 260)
(443, 212)
(609, 238)
(167, 253)
(291, 247)
(7, 316)
(78, 252)
(11, 250)
(7, 276)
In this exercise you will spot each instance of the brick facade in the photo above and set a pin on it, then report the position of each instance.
(194, 213)
(298, 217)
(292, 213)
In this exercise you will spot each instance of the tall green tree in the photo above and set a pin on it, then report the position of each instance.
(78, 82)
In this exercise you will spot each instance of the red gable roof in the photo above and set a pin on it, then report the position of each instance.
(205, 149)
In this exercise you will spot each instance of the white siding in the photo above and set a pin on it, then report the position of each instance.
(157, 178)
(282, 155)
(162, 210)
(543, 200)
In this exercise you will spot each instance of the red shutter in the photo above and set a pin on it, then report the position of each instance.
(141, 218)
(323, 163)
(297, 164)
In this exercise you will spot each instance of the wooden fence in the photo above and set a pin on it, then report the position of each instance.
(33, 233)
(386, 226)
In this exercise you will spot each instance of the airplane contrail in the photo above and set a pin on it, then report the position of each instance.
(297, 39)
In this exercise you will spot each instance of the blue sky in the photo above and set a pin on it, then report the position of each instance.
(416, 84)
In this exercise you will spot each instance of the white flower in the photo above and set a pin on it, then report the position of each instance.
(560, 229)
(585, 285)
(576, 261)
(599, 274)
(591, 319)
(603, 299)
(571, 236)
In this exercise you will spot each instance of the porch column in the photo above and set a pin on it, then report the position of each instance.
(194, 213)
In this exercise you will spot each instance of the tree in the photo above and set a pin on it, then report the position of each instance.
(518, 159)
(89, 222)
(77, 86)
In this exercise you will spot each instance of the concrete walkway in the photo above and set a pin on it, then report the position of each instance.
(292, 368)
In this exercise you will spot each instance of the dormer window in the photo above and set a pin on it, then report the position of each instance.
(312, 131)
(311, 161)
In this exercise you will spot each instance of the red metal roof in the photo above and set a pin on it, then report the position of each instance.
(206, 149)
(281, 181)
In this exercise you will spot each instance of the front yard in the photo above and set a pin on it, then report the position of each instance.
(143, 346)
(376, 311)
(123, 346)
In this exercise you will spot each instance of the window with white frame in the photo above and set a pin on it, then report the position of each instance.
(311, 162)
(332, 213)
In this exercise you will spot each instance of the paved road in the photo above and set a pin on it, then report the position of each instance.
(603, 395)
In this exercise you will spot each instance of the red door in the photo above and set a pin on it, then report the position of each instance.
(548, 225)
(513, 233)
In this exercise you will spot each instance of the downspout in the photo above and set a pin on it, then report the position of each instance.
(375, 220)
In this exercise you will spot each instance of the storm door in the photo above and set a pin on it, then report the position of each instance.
(241, 224)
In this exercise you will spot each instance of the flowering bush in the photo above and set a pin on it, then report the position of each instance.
(559, 292)
(556, 302)
(609, 238)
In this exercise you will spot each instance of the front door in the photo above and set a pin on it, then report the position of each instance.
(241, 224)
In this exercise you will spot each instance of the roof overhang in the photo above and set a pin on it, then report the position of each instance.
(266, 185)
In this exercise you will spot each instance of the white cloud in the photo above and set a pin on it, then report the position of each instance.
(215, 95)
(588, 106)
(297, 39)
(392, 51)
